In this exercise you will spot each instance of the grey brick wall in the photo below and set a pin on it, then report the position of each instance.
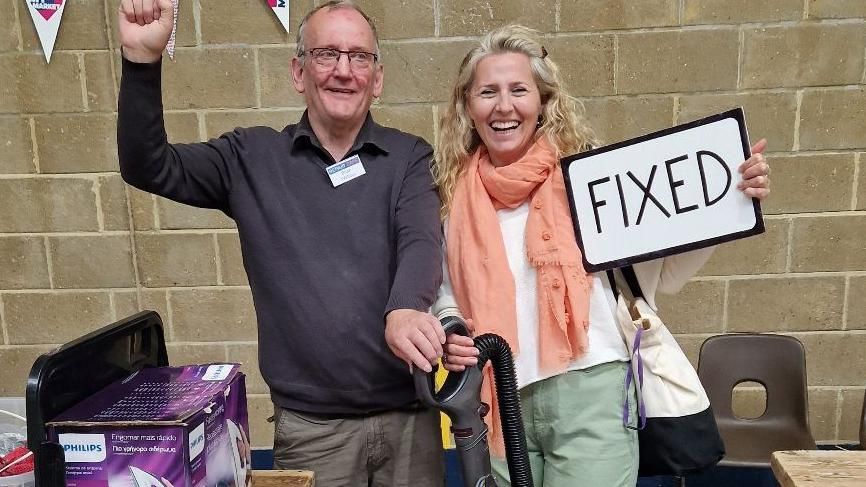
(79, 249)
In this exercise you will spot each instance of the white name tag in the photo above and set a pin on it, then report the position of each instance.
(346, 170)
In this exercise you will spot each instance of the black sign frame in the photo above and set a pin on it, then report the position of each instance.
(566, 162)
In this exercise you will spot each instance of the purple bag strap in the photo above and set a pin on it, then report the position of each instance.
(629, 375)
(634, 287)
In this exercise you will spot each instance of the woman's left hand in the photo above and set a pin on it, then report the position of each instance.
(756, 173)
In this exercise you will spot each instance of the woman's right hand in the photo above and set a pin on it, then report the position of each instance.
(145, 28)
(460, 352)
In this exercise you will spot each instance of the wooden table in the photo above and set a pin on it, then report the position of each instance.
(820, 468)
(283, 478)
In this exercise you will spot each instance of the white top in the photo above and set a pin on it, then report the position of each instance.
(605, 342)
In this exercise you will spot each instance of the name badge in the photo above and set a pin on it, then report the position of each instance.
(346, 170)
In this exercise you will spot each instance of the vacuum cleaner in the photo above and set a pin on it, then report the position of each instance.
(460, 399)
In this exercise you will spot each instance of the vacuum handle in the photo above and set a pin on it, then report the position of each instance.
(425, 385)
(460, 399)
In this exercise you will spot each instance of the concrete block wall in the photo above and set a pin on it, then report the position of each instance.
(79, 249)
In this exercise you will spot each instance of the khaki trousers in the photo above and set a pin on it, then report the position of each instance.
(390, 449)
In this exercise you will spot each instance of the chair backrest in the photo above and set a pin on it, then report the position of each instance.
(863, 424)
(778, 363)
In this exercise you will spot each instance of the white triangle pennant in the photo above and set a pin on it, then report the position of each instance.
(281, 10)
(46, 16)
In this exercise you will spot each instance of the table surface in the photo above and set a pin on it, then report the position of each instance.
(282, 478)
(824, 468)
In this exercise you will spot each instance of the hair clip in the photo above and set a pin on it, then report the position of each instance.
(543, 52)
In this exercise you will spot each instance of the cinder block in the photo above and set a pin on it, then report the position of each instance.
(101, 91)
(166, 260)
(697, 308)
(586, 63)
(607, 15)
(836, 9)
(835, 358)
(23, 262)
(822, 413)
(810, 183)
(414, 119)
(861, 183)
(112, 195)
(661, 62)
(771, 116)
(77, 143)
(83, 27)
(477, 17)
(218, 123)
(241, 22)
(829, 243)
(762, 254)
(9, 26)
(143, 209)
(833, 119)
(421, 72)
(54, 317)
(749, 400)
(176, 216)
(181, 127)
(210, 78)
(48, 205)
(856, 303)
(619, 118)
(803, 55)
(91, 262)
(275, 77)
(248, 356)
(17, 362)
(396, 19)
(28, 84)
(740, 11)
(231, 261)
(260, 409)
(126, 304)
(785, 304)
(17, 146)
(198, 353)
(849, 421)
(213, 315)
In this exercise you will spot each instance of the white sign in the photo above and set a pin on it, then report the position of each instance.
(46, 16)
(663, 193)
(281, 10)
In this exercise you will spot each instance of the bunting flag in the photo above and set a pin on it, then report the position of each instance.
(281, 10)
(46, 16)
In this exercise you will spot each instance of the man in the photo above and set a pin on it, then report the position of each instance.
(343, 258)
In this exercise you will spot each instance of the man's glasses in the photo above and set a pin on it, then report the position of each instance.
(328, 58)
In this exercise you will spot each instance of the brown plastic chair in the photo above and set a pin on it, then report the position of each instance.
(863, 424)
(779, 364)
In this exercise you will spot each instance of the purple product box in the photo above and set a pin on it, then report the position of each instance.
(160, 427)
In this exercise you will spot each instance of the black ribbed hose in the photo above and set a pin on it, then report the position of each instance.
(494, 348)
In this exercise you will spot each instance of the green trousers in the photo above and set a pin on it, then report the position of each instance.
(574, 430)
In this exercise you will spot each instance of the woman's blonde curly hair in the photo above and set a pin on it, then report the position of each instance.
(561, 114)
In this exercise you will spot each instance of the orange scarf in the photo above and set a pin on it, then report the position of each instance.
(483, 284)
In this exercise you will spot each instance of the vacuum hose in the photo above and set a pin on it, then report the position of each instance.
(460, 399)
(496, 349)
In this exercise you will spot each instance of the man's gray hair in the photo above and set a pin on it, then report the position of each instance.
(301, 49)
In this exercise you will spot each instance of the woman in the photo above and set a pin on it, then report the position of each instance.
(513, 266)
